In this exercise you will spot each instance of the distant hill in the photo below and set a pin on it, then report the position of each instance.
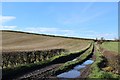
(16, 40)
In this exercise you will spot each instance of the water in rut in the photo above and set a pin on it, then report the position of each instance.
(75, 72)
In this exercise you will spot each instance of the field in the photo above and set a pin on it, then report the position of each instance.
(19, 41)
(39, 56)
(111, 52)
(112, 46)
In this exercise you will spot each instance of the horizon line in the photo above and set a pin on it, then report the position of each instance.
(52, 35)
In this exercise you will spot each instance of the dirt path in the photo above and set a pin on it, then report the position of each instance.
(39, 73)
(86, 71)
(43, 73)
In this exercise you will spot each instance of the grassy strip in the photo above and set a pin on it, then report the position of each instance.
(10, 72)
(96, 72)
(70, 64)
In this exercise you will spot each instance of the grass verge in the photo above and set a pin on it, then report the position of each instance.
(96, 71)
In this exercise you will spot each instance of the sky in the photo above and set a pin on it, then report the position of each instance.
(76, 19)
(60, 0)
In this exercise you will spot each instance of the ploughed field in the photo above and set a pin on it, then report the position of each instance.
(18, 41)
(38, 56)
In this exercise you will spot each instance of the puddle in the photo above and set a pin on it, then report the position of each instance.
(70, 74)
(88, 62)
(75, 72)
(78, 67)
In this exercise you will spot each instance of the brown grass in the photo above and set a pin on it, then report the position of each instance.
(12, 41)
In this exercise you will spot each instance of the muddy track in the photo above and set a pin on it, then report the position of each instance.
(69, 67)
(39, 72)
(43, 72)
(18, 72)
(85, 72)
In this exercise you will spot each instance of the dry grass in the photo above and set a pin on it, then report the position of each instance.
(13, 41)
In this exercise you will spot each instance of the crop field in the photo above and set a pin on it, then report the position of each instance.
(38, 56)
(112, 46)
(19, 41)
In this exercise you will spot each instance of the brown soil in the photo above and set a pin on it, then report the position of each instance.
(85, 72)
(112, 59)
(39, 73)
(16, 41)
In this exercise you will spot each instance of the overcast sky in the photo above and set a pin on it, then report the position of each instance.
(77, 19)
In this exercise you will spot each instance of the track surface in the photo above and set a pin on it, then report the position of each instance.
(44, 72)
(40, 72)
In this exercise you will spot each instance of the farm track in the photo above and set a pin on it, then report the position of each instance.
(57, 60)
(85, 72)
(39, 72)
(79, 60)
(44, 72)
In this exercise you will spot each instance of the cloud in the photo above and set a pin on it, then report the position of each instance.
(48, 30)
(106, 34)
(4, 19)
(81, 18)
(39, 29)
(94, 34)
(109, 35)
(78, 18)
(7, 27)
(87, 7)
(70, 33)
